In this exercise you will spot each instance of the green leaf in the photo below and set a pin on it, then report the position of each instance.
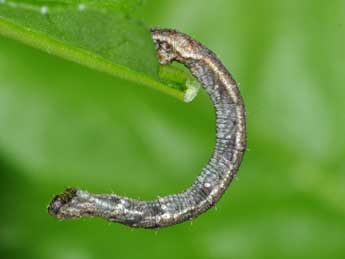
(92, 35)
(120, 5)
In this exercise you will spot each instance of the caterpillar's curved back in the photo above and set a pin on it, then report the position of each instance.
(214, 178)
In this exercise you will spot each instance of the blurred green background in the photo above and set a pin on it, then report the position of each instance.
(62, 125)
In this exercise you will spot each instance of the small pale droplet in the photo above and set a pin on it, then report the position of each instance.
(44, 10)
(81, 7)
(207, 185)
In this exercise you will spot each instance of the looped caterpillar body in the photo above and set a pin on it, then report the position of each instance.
(214, 178)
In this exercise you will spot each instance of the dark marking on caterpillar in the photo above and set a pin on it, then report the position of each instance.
(215, 177)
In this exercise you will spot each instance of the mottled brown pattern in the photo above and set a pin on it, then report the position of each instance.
(215, 177)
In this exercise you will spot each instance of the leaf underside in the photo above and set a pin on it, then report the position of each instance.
(98, 34)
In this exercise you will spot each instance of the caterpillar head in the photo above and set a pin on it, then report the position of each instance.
(172, 45)
(164, 46)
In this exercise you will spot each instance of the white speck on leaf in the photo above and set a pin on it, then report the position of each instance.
(44, 10)
(81, 7)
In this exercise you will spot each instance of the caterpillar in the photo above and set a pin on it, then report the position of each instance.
(214, 178)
